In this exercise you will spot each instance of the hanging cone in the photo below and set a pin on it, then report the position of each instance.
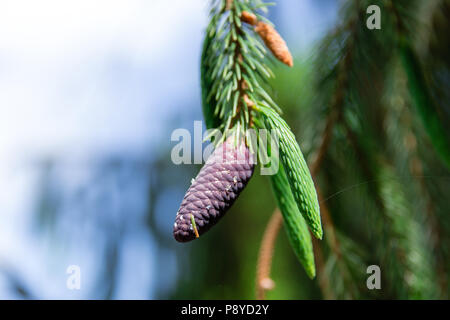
(214, 190)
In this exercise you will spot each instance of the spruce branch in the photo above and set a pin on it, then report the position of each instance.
(356, 64)
(405, 255)
(233, 68)
(233, 53)
(234, 74)
(322, 276)
(426, 107)
(334, 244)
(402, 136)
(411, 249)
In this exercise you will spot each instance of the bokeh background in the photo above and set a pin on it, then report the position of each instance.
(90, 92)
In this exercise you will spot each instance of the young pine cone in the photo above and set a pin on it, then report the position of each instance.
(214, 190)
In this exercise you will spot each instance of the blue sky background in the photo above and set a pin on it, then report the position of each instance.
(81, 81)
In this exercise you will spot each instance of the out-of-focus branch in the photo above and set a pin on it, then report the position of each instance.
(326, 139)
(16, 282)
(416, 169)
(333, 243)
(363, 163)
(263, 280)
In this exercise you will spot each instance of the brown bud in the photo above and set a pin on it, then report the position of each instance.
(249, 18)
(248, 101)
(228, 4)
(244, 85)
(267, 284)
(274, 42)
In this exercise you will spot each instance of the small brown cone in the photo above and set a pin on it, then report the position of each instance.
(249, 18)
(274, 42)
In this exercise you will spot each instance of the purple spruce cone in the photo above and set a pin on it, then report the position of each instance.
(214, 190)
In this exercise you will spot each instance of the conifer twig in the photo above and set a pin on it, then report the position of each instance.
(263, 280)
(416, 166)
(233, 67)
(228, 4)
